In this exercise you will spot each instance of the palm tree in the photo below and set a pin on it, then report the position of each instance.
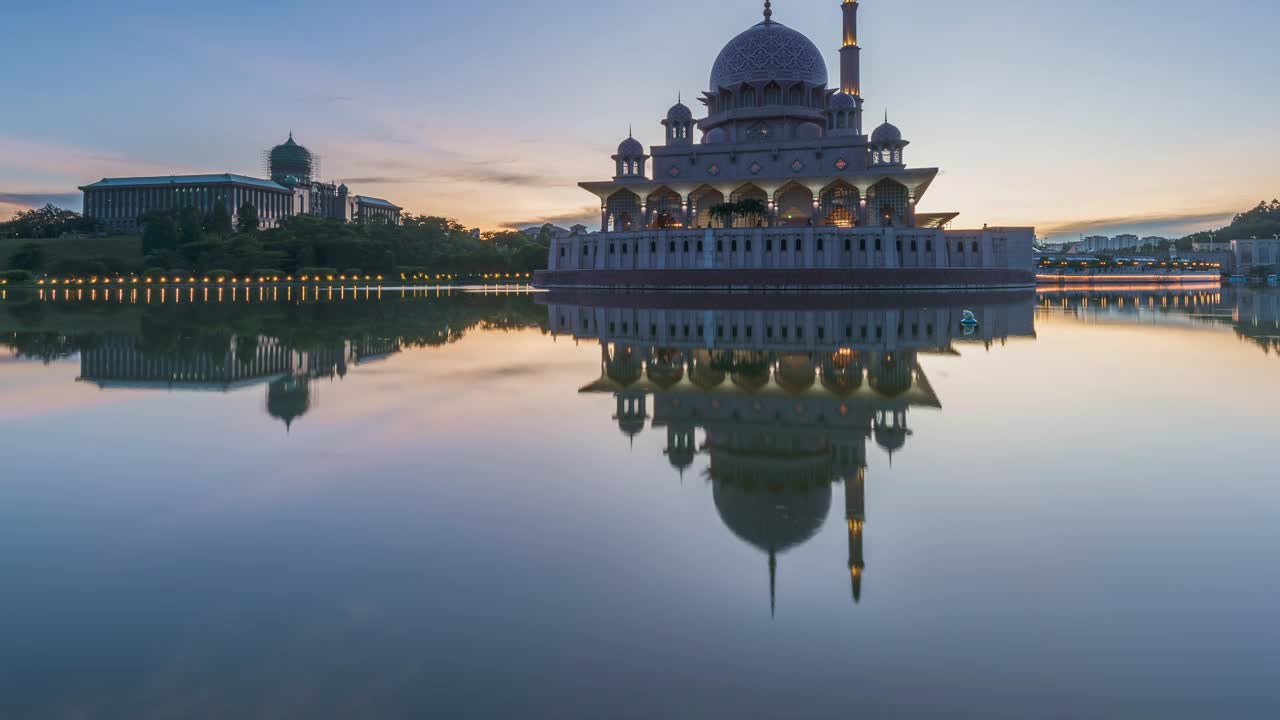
(724, 212)
(753, 208)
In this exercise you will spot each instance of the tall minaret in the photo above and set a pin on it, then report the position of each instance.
(850, 75)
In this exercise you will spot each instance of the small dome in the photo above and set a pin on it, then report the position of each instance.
(886, 134)
(342, 188)
(892, 439)
(291, 180)
(841, 101)
(630, 148)
(809, 131)
(680, 113)
(715, 136)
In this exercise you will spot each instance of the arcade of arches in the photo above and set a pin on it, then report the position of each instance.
(887, 203)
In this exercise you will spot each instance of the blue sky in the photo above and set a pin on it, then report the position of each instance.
(1076, 117)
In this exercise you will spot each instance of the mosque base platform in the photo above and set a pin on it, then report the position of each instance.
(815, 280)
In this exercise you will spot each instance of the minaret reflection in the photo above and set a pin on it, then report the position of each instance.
(785, 402)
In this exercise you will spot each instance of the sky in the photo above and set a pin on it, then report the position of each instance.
(1093, 116)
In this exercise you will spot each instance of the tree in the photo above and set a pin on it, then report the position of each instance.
(754, 208)
(30, 256)
(47, 222)
(218, 222)
(159, 232)
(247, 218)
(724, 212)
(190, 225)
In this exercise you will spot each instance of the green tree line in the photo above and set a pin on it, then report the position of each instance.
(187, 240)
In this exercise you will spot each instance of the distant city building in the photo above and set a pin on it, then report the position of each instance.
(1211, 246)
(1094, 243)
(1252, 254)
(117, 203)
(1102, 243)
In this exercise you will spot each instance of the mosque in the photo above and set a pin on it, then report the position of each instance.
(779, 175)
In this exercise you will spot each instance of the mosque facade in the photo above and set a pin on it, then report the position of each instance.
(777, 174)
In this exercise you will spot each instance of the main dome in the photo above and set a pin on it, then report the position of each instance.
(768, 51)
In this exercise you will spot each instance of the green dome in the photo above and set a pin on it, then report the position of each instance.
(290, 158)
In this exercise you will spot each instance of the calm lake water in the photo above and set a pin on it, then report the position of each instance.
(480, 504)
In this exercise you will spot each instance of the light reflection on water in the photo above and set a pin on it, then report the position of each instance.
(492, 504)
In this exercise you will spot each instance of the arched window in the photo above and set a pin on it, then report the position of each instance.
(623, 209)
(772, 94)
(839, 205)
(748, 97)
(890, 202)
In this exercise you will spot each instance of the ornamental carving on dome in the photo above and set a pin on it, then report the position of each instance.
(769, 51)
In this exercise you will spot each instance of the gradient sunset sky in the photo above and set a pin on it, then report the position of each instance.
(1086, 116)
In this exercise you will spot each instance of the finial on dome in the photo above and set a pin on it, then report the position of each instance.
(630, 131)
(768, 11)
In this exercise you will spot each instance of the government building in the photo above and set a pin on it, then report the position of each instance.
(778, 185)
(293, 189)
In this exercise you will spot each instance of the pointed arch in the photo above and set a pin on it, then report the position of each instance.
(703, 199)
(773, 93)
(839, 204)
(891, 202)
(795, 94)
(793, 205)
(623, 207)
(752, 194)
(795, 373)
(665, 210)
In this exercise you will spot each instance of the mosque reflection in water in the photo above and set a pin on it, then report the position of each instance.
(786, 401)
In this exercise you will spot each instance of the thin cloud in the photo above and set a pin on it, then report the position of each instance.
(38, 199)
(585, 215)
(1177, 220)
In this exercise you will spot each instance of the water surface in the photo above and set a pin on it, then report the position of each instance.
(483, 504)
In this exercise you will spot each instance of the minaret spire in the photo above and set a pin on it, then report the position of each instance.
(773, 578)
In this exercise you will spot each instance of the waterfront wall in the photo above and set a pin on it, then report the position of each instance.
(795, 248)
